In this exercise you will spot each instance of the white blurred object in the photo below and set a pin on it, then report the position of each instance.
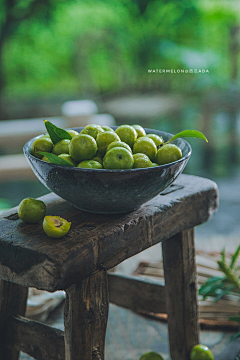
(15, 133)
(79, 112)
(40, 303)
(103, 120)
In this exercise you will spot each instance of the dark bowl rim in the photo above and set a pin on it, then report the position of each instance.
(71, 168)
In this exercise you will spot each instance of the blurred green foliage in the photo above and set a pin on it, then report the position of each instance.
(4, 205)
(93, 46)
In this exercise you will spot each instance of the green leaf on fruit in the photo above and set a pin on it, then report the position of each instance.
(56, 134)
(189, 133)
(54, 159)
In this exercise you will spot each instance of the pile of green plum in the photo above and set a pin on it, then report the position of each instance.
(100, 147)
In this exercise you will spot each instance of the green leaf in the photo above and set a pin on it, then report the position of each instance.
(211, 291)
(189, 133)
(54, 159)
(213, 279)
(233, 337)
(235, 257)
(56, 134)
(223, 292)
(210, 284)
(235, 318)
(223, 253)
(232, 278)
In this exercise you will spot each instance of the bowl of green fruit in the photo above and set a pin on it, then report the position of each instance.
(107, 170)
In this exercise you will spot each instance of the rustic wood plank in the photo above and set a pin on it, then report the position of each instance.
(29, 257)
(136, 294)
(13, 299)
(40, 341)
(85, 318)
(181, 294)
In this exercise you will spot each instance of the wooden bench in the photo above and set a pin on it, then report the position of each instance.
(78, 264)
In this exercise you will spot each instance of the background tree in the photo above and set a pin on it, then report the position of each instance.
(14, 12)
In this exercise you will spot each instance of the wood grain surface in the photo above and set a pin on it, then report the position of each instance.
(13, 300)
(85, 318)
(38, 340)
(181, 294)
(139, 295)
(30, 258)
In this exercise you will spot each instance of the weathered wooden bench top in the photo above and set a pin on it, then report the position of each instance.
(30, 258)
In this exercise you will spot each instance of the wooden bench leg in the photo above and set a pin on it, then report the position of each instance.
(181, 293)
(85, 318)
(13, 300)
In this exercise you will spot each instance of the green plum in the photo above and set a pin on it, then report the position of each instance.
(98, 158)
(168, 153)
(55, 226)
(104, 139)
(68, 158)
(157, 139)
(44, 143)
(119, 144)
(72, 133)
(107, 128)
(82, 147)
(151, 355)
(145, 146)
(90, 164)
(201, 352)
(141, 161)
(46, 136)
(140, 130)
(61, 147)
(127, 134)
(46, 159)
(92, 130)
(31, 210)
(118, 158)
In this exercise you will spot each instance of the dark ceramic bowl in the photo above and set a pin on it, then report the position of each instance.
(108, 191)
